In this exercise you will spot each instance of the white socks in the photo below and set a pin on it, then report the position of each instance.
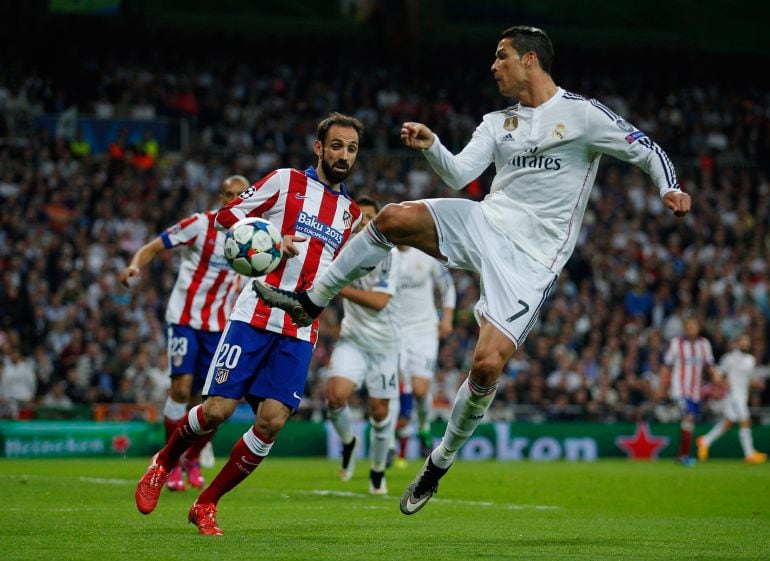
(359, 256)
(340, 419)
(256, 444)
(422, 405)
(471, 403)
(716, 431)
(379, 441)
(747, 442)
(174, 410)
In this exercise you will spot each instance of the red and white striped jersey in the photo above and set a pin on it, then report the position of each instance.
(687, 360)
(206, 286)
(297, 203)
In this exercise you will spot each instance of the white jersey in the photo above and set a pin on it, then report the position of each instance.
(372, 330)
(546, 159)
(687, 360)
(739, 368)
(206, 287)
(420, 275)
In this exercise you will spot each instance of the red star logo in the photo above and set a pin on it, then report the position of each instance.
(642, 445)
(121, 443)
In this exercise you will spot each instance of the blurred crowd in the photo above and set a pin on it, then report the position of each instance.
(71, 217)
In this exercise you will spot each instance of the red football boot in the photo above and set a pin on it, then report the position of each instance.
(204, 516)
(150, 485)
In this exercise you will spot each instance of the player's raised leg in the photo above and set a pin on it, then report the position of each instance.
(492, 352)
(408, 223)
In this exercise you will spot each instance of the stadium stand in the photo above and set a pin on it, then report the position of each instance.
(77, 198)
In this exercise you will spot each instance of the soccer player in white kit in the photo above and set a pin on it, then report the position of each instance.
(366, 354)
(421, 329)
(200, 303)
(546, 150)
(739, 366)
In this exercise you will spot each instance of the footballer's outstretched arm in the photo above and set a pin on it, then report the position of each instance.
(142, 257)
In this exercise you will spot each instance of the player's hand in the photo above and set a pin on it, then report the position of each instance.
(289, 249)
(128, 276)
(417, 135)
(444, 327)
(677, 201)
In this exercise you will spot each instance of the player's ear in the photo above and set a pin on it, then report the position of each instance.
(318, 148)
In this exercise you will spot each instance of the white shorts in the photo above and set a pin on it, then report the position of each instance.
(513, 284)
(735, 410)
(418, 355)
(378, 371)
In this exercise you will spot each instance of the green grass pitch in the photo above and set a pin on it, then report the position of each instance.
(297, 509)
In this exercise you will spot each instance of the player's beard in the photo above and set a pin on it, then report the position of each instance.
(333, 175)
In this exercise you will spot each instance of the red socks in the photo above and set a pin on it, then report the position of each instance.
(191, 428)
(238, 467)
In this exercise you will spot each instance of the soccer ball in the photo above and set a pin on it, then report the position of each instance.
(253, 247)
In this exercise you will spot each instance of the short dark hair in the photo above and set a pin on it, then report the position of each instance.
(366, 200)
(527, 39)
(338, 119)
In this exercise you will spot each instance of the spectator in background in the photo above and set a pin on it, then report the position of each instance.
(18, 383)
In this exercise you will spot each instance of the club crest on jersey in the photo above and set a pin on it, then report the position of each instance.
(624, 126)
(221, 375)
(347, 219)
(559, 131)
(511, 123)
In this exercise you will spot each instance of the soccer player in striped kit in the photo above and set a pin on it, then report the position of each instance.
(546, 150)
(685, 361)
(262, 355)
(200, 302)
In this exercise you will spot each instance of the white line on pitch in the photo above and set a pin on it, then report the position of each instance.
(507, 506)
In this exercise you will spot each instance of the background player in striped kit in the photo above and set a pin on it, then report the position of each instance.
(262, 356)
(202, 299)
(421, 329)
(367, 354)
(683, 364)
(546, 149)
(739, 367)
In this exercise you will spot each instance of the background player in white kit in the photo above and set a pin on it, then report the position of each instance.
(421, 330)
(738, 366)
(367, 354)
(546, 150)
(199, 305)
